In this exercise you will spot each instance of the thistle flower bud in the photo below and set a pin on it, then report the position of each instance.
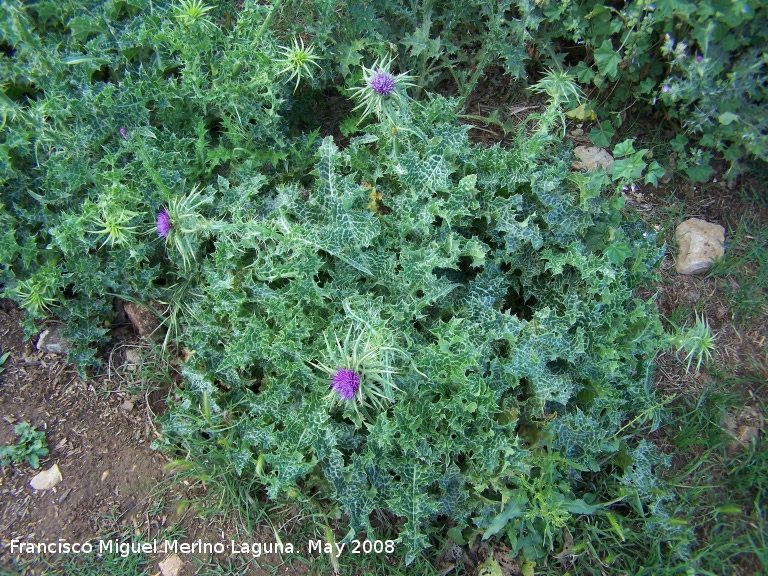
(382, 83)
(163, 223)
(345, 383)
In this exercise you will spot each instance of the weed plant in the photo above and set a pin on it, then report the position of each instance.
(427, 328)
(410, 335)
(700, 66)
(112, 111)
(747, 263)
(29, 447)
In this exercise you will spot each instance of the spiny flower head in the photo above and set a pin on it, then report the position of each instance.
(560, 86)
(297, 61)
(163, 223)
(382, 83)
(360, 368)
(384, 92)
(345, 383)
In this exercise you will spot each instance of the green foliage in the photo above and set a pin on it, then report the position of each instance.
(29, 447)
(630, 165)
(703, 62)
(717, 516)
(514, 347)
(700, 64)
(297, 60)
(3, 358)
(747, 262)
(485, 296)
(112, 111)
(560, 87)
(433, 40)
(697, 342)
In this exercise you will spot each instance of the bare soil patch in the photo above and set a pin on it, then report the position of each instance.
(99, 440)
(114, 485)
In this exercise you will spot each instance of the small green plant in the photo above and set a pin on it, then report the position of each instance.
(3, 358)
(29, 447)
(561, 87)
(631, 164)
(698, 342)
(297, 61)
(190, 12)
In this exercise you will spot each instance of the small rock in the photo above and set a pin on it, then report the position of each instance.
(701, 243)
(132, 359)
(52, 342)
(143, 319)
(126, 406)
(47, 479)
(744, 426)
(171, 566)
(589, 158)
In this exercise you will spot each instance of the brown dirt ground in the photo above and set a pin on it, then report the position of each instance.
(99, 435)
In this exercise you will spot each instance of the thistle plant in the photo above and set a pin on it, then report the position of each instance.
(384, 92)
(112, 224)
(560, 86)
(164, 223)
(181, 224)
(562, 90)
(297, 61)
(390, 361)
(698, 342)
(360, 368)
(38, 292)
(189, 12)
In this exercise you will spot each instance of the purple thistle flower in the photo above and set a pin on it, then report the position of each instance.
(382, 83)
(123, 133)
(699, 58)
(163, 223)
(345, 383)
(665, 88)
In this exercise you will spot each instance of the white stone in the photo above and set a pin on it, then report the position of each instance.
(46, 479)
(52, 342)
(589, 158)
(132, 359)
(171, 566)
(700, 243)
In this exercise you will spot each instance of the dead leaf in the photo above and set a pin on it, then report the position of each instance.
(567, 545)
(489, 568)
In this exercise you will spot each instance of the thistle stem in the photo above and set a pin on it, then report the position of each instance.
(275, 7)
